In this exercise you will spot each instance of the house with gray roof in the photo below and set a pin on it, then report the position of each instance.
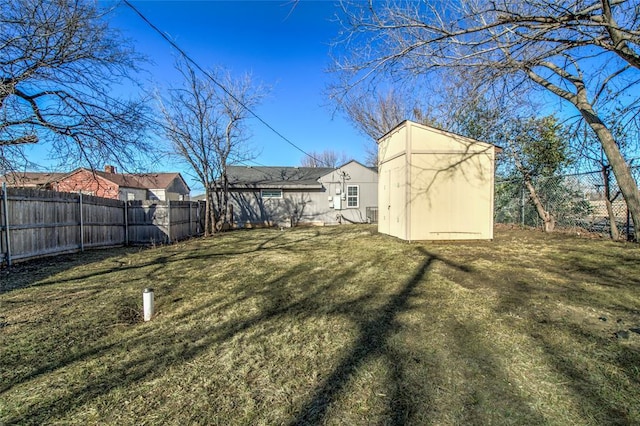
(289, 196)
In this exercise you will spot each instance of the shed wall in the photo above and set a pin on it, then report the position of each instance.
(450, 196)
(394, 144)
(435, 185)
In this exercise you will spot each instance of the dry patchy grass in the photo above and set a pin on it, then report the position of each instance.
(335, 325)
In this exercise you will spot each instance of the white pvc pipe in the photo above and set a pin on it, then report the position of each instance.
(147, 303)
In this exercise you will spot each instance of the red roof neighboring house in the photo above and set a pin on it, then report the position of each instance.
(36, 180)
(125, 186)
(109, 184)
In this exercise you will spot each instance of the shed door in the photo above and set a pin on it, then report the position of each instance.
(385, 205)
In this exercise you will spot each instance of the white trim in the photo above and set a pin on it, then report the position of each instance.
(357, 196)
(268, 197)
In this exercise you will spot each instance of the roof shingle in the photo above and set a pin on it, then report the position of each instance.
(275, 177)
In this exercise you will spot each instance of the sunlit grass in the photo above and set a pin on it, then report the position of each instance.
(336, 325)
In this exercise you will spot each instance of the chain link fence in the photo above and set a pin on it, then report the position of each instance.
(577, 202)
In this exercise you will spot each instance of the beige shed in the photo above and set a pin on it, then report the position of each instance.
(434, 185)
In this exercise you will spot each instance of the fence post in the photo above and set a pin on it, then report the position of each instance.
(126, 223)
(190, 231)
(81, 223)
(5, 210)
(198, 229)
(169, 219)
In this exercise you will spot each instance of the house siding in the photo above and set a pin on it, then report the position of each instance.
(309, 206)
(86, 182)
(157, 194)
(177, 191)
(294, 208)
(352, 174)
(136, 194)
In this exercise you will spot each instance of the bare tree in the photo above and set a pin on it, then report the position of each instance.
(59, 65)
(326, 158)
(206, 126)
(583, 52)
(376, 114)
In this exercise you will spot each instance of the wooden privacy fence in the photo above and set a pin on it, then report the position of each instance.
(37, 223)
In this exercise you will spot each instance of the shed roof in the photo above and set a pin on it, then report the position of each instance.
(276, 177)
(438, 130)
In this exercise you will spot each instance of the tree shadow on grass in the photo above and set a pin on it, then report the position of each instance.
(560, 307)
(373, 341)
(147, 352)
(36, 273)
(30, 272)
(592, 387)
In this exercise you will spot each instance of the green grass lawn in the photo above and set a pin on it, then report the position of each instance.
(336, 325)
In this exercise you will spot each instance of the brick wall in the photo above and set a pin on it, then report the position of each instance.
(88, 183)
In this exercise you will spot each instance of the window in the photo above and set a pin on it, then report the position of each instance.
(271, 193)
(353, 193)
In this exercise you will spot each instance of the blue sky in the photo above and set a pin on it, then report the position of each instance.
(283, 48)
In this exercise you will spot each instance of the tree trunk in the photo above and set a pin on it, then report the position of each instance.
(207, 211)
(230, 215)
(622, 172)
(225, 196)
(549, 221)
(613, 226)
(217, 217)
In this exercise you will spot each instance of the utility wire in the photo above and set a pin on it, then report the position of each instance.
(210, 77)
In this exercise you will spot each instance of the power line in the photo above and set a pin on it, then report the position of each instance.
(210, 77)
